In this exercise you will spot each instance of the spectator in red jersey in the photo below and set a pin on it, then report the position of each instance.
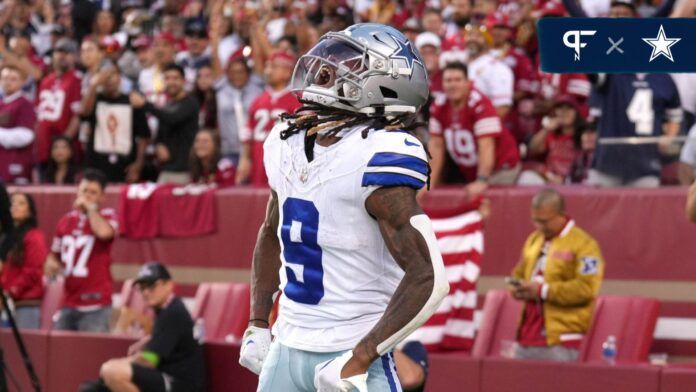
(119, 133)
(465, 125)
(263, 113)
(81, 250)
(17, 121)
(58, 101)
(60, 168)
(207, 164)
(22, 271)
(178, 124)
(560, 141)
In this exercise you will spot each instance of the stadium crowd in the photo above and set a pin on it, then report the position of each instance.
(187, 90)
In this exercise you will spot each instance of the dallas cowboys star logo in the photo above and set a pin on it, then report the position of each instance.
(404, 51)
(661, 45)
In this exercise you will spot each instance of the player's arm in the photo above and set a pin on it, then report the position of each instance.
(436, 148)
(264, 284)
(691, 203)
(265, 266)
(410, 239)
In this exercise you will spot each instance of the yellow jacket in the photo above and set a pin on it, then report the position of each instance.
(572, 277)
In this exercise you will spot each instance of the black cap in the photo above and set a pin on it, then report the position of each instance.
(196, 28)
(151, 272)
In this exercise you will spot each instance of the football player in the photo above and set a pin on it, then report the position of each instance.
(359, 264)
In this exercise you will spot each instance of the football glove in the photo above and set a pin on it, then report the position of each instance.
(255, 346)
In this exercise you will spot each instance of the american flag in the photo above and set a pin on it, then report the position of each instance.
(460, 239)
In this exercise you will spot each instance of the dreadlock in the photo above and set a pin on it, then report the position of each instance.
(313, 118)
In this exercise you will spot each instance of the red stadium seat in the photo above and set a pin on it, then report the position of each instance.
(631, 319)
(224, 308)
(52, 300)
(501, 313)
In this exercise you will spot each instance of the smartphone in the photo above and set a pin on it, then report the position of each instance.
(513, 281)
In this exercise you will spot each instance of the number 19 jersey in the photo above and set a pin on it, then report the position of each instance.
(86, 260)
(337, 275)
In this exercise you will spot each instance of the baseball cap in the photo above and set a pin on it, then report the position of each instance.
(428, 38)
(565, 99)
(497, 19)
(166, 37)
(551, 8)
(151, 272)
(65, 45)
(416, 352)
(196, 28)
(284, 58)
(142, 42)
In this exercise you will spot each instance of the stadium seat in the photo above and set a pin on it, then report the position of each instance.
(224, 309)
(631, 319)
(53, 298)
(501, 313)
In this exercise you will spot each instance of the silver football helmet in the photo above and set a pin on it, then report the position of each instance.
(368, 68)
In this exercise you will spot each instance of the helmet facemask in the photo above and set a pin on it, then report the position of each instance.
(332, 73)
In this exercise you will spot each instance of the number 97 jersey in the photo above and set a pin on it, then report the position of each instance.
(337, 275)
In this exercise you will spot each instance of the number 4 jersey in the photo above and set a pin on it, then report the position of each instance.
(634, 105)
(86, 260)
(337, 275)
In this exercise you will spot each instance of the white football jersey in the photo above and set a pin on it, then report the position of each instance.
(337, 275)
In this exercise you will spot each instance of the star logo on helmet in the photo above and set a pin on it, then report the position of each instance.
(405, 51)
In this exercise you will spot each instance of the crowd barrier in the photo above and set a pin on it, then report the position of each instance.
(643, 232)
(64, 359)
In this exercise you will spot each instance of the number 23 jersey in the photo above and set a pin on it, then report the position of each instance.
(86, 260)
(337, 275)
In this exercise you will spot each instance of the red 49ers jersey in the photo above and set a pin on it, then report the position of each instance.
(86, 259)
(58, 100)
(462, 128)
(263, 114)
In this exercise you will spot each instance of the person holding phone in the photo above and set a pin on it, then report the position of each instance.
(558, 278)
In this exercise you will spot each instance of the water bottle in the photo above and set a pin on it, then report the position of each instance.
(199, 330)
(609, 350)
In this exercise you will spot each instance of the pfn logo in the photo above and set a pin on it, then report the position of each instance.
(576, 44)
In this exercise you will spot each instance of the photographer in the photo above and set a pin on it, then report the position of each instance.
(22, 271)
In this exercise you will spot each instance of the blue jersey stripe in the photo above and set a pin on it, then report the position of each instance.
(388, 372)
(392, 179)
(399, 160)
